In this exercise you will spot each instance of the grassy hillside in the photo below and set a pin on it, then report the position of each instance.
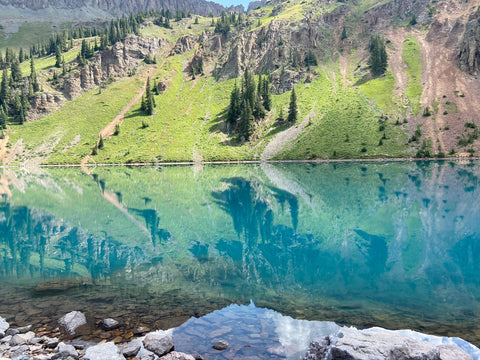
(343, 111)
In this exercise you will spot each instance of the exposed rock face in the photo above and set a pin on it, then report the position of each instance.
(116, 61)
(469, 56)
(116, 8)
(378, 344)
(72, 320)
(382, 15)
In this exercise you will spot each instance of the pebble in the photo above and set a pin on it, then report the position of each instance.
(110, 324)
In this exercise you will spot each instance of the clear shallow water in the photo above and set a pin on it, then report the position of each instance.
(395, 245)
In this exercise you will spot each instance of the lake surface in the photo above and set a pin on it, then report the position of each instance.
(395, 245)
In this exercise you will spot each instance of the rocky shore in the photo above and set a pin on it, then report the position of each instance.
(344, 343)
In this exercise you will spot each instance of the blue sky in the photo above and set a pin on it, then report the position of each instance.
(233, 2)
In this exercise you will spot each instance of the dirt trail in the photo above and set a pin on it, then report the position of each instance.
(397, 37)
(3, 146)
(283, 138)
(109, 129)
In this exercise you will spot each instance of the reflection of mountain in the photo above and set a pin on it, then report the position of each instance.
(342, 240)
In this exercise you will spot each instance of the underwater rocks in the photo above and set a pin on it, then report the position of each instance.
(72, 321)
(381, 344)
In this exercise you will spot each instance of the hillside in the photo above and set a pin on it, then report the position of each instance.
(424, 104)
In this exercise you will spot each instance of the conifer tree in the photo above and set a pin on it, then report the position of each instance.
(4, 89)
(378, 55)
(33, 77)
(16, 72)
(58, 57)
(267, 98)
(3, 118)
(234, 109)
(148, 102)
(292, 109)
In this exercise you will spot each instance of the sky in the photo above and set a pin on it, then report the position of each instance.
(233, 2)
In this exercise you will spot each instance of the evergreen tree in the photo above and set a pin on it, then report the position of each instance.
(148, 103)
(378, 55)
(58, 57)
(4, 89)
(246, 121)
(3, 118)
(16, 72)
(267, 98)
(344, 34)
(33, 77)
(292, 109)
(234, 109)
(248, 88)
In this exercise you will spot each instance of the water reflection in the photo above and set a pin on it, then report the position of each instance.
(394, 244)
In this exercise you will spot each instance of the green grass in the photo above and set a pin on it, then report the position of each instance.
(380, 90)
(413, 60)
(349, 127)
(185, 126)
(30, 33)
(84, 116)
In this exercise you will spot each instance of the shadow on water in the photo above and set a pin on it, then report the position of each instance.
(394, 245)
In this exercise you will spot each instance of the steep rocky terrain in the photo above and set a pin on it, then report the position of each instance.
(424, 105)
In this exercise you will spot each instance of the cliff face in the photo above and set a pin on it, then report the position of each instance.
(116, 8)
(469, 55)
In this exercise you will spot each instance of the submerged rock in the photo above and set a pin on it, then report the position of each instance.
(221, 345)
(107, 351)
(110, 324)
(175, 355)
(159, 342)
(66, 350)
(72, 321)
(379, 344)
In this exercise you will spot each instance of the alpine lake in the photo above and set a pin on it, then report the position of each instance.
(253, 253)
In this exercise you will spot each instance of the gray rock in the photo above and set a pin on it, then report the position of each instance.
(144, 354)
(375, 344)
(132, 348)
(221, 345)
(66, 349)
(19, 350)
(4, 325)
(72, 321)
(158, 342)
(12, 332)
(24, 329)
(22, 357)
(107, 351)
(51, 342)
(141, 330)
(110, 324)
(21, 339)
(174, 355)
(6, 339)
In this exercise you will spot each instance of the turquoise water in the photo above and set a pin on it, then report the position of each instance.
(395, 245)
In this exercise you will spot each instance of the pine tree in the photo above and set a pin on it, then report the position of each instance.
(16, 72)
(378, 55)
(344, 34)
(234, 109)
(33, 77)
(267, 98)
(148, 102)
(4, 89)
(292, 109)
(58, 57)
(3, 118)
(246, 121)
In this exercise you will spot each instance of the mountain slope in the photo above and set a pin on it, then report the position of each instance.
(423, 105)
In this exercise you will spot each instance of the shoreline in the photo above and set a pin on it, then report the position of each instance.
(243, 162)
(294, 340)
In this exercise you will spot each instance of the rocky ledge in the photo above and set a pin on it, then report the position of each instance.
(344, 343)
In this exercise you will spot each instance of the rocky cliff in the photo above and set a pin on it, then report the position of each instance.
(469, 55)
(116, 8)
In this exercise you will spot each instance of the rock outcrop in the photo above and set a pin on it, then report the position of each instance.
(469, 55)
(117, 61)
(380, 344)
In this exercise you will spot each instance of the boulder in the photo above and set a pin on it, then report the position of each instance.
(3, 326)
(110, 324)
(107, 351)
(379, 344)
(20, 339)
(158, 342)
(66, 350)
(175, 355)
(72, 321)
(132, 348)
